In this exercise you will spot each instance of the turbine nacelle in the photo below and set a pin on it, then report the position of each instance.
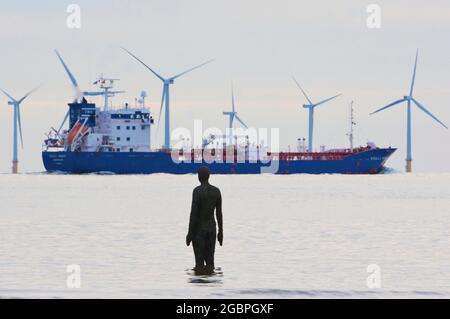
(11, 103)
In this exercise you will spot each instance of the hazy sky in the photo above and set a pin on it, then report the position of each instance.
(258, 44)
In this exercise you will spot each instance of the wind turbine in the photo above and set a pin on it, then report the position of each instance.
(408, 99)
(17, 126)
(165, 95)
(233, 115)
(81, 94)
(311, 106)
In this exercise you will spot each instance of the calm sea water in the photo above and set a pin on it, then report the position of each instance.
(284, 236)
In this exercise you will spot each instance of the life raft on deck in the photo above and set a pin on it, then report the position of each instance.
(75, 131)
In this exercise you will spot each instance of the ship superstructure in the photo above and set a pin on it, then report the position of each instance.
(91, 129)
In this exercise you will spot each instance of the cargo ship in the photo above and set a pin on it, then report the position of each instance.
(118, 141)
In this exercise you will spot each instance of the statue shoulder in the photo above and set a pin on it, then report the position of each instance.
(196, 190)
(215, 189)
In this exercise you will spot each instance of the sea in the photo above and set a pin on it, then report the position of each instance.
(297, 236)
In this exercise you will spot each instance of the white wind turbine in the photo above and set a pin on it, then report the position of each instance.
(233, 115)
(17, 127)
(165, 95)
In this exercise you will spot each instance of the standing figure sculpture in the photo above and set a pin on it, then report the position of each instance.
(206, 199)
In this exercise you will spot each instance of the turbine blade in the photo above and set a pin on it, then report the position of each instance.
(304, 93)
(240, 121)
(116, 92)
(93, 93)
(9, 96)
(389, 105)
(64, 121)
(414, 74)
(20, 124)
(159, 76)
(191, 69)
(71, 76)
(420, 106)
(326, 100)
(28, 94)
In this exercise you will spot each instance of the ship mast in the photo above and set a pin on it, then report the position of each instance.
(106, 84)
(352, 124)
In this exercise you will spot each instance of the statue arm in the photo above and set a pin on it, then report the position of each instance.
(219, 214)
(193, 219)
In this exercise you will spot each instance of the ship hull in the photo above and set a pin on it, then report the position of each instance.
(366, 162)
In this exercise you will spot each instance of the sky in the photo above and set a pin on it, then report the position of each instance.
(257, 44)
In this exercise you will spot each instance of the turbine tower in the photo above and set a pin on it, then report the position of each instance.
(311, 106)
(165, 95)
(233, 115)
(409, 98)
(17, 127)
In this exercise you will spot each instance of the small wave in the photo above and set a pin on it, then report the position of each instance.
(102, 173)
(390, 170)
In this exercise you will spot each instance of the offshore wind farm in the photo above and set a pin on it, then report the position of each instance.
(94, 131)
(93, 142)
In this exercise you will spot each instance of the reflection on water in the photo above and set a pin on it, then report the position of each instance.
(209, 279)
